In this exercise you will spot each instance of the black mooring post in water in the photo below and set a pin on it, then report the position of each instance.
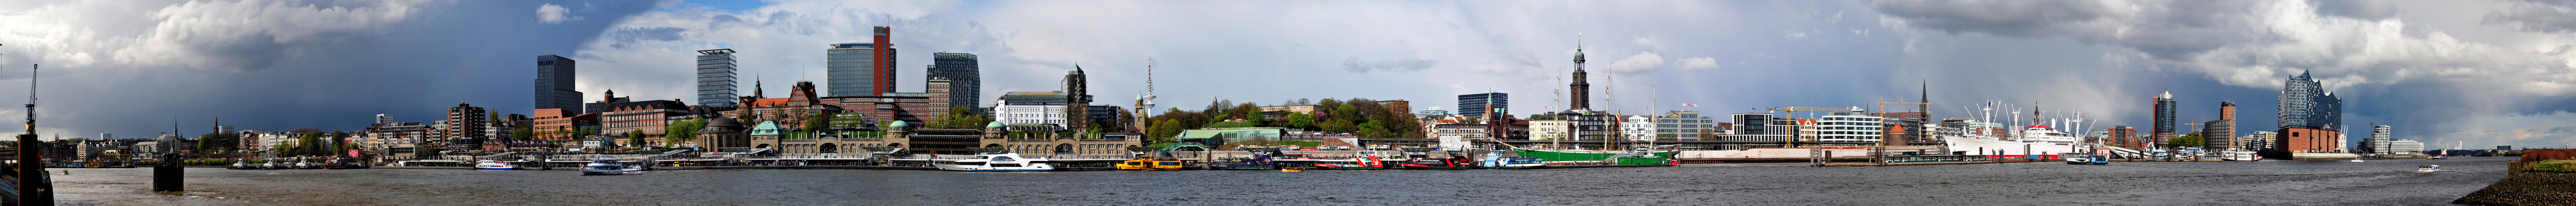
(167, 177)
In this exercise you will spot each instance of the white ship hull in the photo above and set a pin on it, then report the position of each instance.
(1975, 146)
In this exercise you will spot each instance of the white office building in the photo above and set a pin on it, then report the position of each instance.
(1848, 127)
(1637, 128)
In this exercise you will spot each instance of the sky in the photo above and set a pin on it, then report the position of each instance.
(2449, 73)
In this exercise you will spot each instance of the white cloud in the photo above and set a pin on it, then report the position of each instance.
(1702, 63)
(551, 13)
(1643, 61)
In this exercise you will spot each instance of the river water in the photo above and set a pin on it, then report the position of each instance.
(2376, 182)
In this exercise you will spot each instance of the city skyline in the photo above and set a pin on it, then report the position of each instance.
(2445, 71)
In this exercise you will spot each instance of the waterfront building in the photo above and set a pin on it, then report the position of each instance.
(380, 119)
(1849, 127)
(1550, 129)
(1027, 109)
(800, 105)
(1582, 125)
(2311, 119)
(106, 136)
(2164, 119)
(2258, 140)
(649, 117)
(561, 124)
(964, 76)
(2379, 141)
(1475, 105)
(724, 132)
(1457, 135)
(2221, 134)
(1637, 128)
(902, 135)
(2122, 135)
(716, 78)
(383, 135)
(2408, 147)
(466, 126)
(861, 69)
(1680, 125)
(1077, 88)
(554, 85)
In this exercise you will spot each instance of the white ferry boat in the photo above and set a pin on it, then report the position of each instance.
(999, 161)
(603, 166)
(494, 165)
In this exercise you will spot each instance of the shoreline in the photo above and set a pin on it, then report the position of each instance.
(2526, 188)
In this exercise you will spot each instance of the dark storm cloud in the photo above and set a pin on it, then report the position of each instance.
(284, 65)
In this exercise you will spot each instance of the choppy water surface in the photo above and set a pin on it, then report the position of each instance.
(2376, 182)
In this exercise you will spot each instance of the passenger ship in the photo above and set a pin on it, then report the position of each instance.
(2034, 139)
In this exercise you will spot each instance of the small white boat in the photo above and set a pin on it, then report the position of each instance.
(2356, 160)
(999, 161)
(2240, 156)
(2428, 168)
(494, 165)
(631, 169)
(2085, 159)
(603, 166)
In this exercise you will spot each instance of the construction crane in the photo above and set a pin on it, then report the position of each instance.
(1882, 106)
(1792, 140)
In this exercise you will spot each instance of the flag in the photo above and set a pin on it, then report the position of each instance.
(1690, 105)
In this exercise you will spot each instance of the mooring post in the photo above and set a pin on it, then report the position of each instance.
(168, 176)
(34, 186)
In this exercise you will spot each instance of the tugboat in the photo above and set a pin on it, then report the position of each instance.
(494, 165)
(603, 166)
(999, 161)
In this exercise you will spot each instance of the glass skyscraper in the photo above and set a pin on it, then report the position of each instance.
(2305, 104)
(1474, 105)
(860, 69)
(964, 77)
(554, 84)
(715, 78)
(2165, 123)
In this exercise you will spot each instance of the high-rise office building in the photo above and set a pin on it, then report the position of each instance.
(861, 69)
(965, 79)
(554, 84)
(1475, 105)
(715, 78)
(2311, 119)
(2164, 128)
(2221, 133)
(1077, 93)
(106, 136)
(2379, 141)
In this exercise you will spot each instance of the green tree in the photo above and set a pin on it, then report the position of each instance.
(683, 131)
(818, 122)
(522, 133)
(635, 138)
(1301, 121)
(1165, 130)
(2193, 140)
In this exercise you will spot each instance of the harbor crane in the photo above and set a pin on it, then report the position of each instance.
(1792, 140)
